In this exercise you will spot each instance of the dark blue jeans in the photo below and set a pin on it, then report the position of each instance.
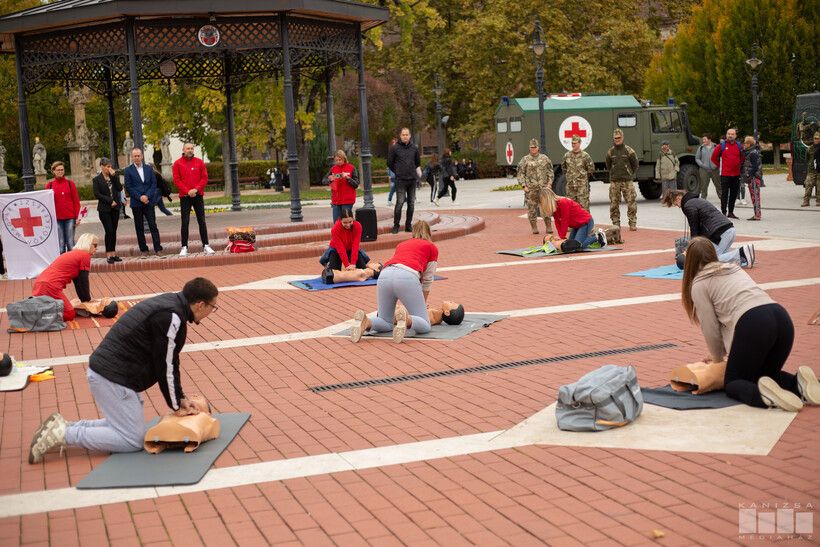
(331, 257)
(337, 211)
(585, 234)
(65, 232)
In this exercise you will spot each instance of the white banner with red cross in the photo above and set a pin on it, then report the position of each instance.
(28, 229)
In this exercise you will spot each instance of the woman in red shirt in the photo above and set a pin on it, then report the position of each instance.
(72, 266)
(406, 277)
(66, 205)
(343, 182)
(570, 216)
(344, 260)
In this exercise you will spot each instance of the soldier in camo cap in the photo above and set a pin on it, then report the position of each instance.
(578, 167)
(622, 164)
(535, 173)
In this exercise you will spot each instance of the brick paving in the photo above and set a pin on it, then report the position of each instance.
(536, 494)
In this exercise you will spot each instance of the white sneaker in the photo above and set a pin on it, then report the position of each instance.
(401, 324)
(776, 397)
(435, 201)
(50, 435)
(359, 322)
(808, 386)
(208, 250)
(602, 237)
(390, 204)
(183, 251)
(743, 202)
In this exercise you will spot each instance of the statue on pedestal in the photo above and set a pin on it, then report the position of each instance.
(4, 179)
(127, 146)
(39, 156)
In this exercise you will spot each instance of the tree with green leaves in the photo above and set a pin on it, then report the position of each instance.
(704, 64)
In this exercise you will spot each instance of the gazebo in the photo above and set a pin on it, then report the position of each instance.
(114, 46)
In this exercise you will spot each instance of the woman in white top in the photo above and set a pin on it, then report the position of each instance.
(746, 328)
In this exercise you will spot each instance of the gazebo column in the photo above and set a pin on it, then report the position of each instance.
(290, 125)
(112, 121)
(331, 120)
(232, 163)
(364, 131)
(136, 111)
(22, 110)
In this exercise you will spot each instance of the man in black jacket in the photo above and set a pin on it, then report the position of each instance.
(404, 160)
(140, 350)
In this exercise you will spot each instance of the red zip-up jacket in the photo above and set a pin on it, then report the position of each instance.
(66, 198)
(344, 240)
(341, 193)
(190, 173)
(568, 214)
(732, 157)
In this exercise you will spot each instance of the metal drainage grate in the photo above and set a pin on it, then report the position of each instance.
(486, 368)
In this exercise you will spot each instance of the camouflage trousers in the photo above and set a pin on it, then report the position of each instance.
(532, 199)
(578, 191)
(812, 181)
(617, 188)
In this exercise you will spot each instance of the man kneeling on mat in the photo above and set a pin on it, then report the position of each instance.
(344, 260)
(407, 277)
(140, 350)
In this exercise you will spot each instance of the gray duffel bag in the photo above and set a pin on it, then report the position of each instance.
(603, 399)
(36, 313)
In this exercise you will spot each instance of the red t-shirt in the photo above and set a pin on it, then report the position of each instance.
(415, 254)
(730, 160)
(65, 269)
(189, 174)
(66, 198)
(568, 214)
(341, 193)
(344, 240)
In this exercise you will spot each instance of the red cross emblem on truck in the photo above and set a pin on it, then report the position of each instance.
(575, 130)
(509, 153)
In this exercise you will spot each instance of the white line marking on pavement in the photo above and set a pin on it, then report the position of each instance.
(331, 330)
(735, 430)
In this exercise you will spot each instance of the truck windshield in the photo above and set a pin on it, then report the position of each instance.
(666, 121)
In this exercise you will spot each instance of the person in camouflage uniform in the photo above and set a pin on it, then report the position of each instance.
(578, 167)
(622, 164)
(535, 173)
(812, 173)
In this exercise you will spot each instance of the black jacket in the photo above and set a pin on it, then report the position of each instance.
(403, 159)
(102, 193)
(704, 218)
(142, 348)
(449, 168)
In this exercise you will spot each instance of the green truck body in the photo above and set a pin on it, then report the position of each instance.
(593, 118)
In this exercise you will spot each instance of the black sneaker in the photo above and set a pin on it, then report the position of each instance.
(327, 276)
(408, 229)
(110, 260)
(116, 258)
(395, 230)
(744, 260)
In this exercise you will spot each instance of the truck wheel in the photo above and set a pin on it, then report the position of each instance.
(559, 185)
(688, 178)
(650, 189)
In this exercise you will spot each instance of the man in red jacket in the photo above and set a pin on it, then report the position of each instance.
(728, 155)
(190, 176)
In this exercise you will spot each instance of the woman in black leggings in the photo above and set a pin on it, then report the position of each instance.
(735, 313)
(107, 190)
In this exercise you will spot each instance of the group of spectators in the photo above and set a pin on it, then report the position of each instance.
(146, 188)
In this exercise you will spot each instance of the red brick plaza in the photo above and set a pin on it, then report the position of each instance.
(528, 494)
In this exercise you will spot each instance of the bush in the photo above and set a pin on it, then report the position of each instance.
(15, 183)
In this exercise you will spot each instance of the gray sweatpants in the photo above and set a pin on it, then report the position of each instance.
(122, 429)
(400, 284)
(724, 248)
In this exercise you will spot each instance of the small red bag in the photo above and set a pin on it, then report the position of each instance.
(241, 247)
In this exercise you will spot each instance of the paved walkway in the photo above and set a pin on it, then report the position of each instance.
(268, 345)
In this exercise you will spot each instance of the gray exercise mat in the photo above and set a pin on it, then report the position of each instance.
(472, 322)
(683, 400)
(168, 468)
(543, 254)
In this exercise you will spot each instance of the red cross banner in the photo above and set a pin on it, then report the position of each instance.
(28, 228)
(509, 153)
(575, 125)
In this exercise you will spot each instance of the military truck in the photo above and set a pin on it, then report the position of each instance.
(593, 118)
(805, 122)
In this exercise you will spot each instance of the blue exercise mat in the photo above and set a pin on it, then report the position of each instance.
(316, 284)
(661, 272)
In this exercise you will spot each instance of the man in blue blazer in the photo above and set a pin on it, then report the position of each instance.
(141, 185)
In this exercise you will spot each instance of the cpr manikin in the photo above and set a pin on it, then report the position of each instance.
(355, 274)
(186, 432)
(699, 378)
(448, 312)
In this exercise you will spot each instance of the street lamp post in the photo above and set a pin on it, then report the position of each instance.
(437, 89)
(539, 46)
(753, 63)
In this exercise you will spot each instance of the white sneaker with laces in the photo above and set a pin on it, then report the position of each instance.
(808, 385)
(208, 250)
(183, 251)
(743, 202)
(602, 237)
(50, 435)
(775, 396)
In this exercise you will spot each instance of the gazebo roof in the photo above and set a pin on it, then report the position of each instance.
(77, 13)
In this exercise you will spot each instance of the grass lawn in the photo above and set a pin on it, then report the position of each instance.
(275, 197)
